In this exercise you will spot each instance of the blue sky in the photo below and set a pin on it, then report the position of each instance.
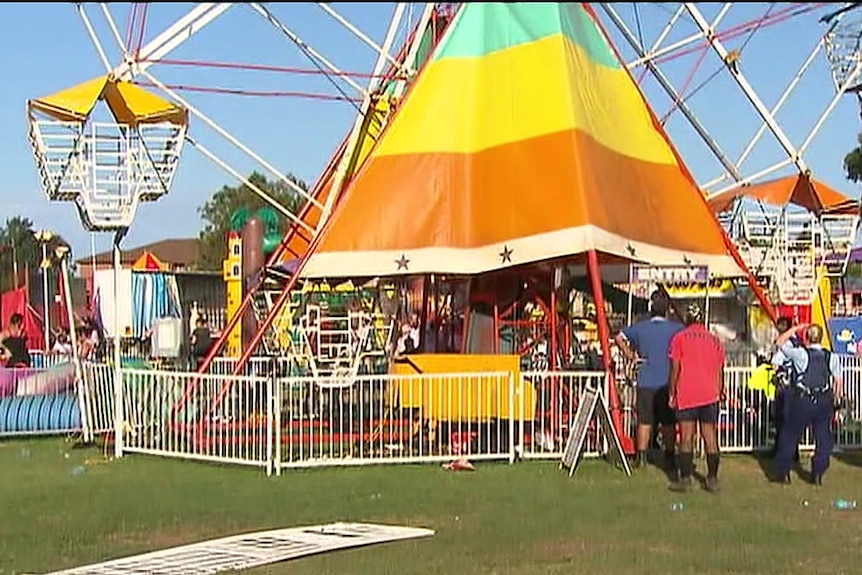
(47, 49)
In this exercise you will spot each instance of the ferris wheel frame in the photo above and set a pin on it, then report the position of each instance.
(709, 37)
(137, 63)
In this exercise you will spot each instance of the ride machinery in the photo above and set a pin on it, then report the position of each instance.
(448, 210)
(789, 232)
(793, 231)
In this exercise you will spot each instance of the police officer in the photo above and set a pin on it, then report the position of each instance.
(784, 380)
(810, 401)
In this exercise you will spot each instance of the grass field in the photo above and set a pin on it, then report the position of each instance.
(529, 518)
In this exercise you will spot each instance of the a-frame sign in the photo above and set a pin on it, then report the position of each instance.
(593, 405)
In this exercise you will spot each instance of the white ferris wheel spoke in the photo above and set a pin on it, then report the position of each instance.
(93, 37)
(383, 52)
(672, 93)
(270, 17)
(171, 38)
(115, 32)
(230, 138)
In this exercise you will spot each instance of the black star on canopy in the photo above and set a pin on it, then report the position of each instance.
(506, 255)
(402, 262)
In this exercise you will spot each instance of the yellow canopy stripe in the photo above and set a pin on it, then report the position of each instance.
(129, 104)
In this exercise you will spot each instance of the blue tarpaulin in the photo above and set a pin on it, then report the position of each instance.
(154, 295)
(846, 333)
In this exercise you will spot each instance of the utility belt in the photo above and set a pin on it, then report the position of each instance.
(813, 394)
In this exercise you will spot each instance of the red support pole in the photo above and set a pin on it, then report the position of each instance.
(273, 258)
(552, 361)
(496, 342)
(604, 341)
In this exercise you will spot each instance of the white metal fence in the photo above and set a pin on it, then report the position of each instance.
(205, 417)
(395, 418)
(268, 419)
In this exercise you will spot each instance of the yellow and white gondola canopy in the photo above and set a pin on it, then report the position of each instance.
(130, 104)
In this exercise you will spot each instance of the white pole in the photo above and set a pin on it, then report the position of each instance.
(631, 287)
(750, 93)
(706, 303)
(230, 138)
(83, 404)
(171, 38)
(382, 51)
(115, 32)
(95, 39)
(118, 373)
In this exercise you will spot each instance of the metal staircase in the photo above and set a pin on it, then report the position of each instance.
(796, 275)
(838, 233)
(107, 169)
(339, 344)
(758, 243)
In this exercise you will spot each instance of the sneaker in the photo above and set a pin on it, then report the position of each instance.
(641, 461)
(712, 485)
(681, 486)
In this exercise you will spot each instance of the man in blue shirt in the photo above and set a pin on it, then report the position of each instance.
(648, 342)
(811, 400)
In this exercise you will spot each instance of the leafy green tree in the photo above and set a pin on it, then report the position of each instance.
(219, 210)
(853, 162)
(20, 251)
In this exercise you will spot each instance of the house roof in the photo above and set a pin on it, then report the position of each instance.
(174, 253)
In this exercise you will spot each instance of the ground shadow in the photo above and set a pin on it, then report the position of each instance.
(766, 461)
(853, 457)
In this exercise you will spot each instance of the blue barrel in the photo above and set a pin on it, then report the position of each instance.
(39, 414)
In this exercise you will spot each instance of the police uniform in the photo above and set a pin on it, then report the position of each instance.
(785, 378)
(810, 403)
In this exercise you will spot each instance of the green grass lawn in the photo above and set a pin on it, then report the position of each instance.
(529, 518)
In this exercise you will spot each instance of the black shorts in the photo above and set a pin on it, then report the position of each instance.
(652, 407)
(702, 414)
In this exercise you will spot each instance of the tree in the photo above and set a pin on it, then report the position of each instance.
(222, 205)
(853, 162)
(20, 251)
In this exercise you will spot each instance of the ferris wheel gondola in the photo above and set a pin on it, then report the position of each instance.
(790, 227)
(106, 168)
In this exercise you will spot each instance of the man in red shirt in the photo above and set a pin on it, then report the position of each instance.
(696, 388)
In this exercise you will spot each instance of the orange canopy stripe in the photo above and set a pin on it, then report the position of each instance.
(799, 190)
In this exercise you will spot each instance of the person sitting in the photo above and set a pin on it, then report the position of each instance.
(200, 341)
(13, 343)
(62, 346)
(86, 345)
(408, 342)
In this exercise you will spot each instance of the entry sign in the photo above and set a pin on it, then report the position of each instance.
(670, 274)
(593, 405)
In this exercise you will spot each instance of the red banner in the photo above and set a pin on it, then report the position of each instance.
(15, 301)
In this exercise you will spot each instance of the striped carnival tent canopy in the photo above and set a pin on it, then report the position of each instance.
(524, 139)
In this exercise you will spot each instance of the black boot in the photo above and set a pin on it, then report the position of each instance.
(670, 462)
(683, 485)
(780, 479)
